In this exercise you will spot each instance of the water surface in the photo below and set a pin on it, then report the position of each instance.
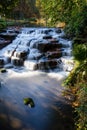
(51, 111)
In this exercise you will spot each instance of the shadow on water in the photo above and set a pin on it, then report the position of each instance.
(51, 111)
(47, 120)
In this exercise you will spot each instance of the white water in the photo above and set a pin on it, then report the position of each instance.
(27, 41)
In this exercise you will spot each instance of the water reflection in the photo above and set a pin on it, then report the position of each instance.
(51, 111)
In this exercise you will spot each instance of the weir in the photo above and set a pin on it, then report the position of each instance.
(38, 49)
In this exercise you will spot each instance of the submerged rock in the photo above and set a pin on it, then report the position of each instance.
(17, 61)
(29, 102)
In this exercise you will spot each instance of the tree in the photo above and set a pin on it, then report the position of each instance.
(19, 8)
(62, 10)
(26, 9)
(6, 6)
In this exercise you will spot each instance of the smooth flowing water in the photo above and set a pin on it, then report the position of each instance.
(52, 111)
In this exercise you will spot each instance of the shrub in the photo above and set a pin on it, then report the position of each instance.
(80, 52)
(77, 81)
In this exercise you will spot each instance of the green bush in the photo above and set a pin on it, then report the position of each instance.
(82, 108)
(80, 52)
(77, 24)
(2, 23)
(77, 80)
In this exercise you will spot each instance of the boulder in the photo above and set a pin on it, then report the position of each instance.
(3, 70)
(34, 43)
(48, 46)
(47, 37)
(17, 61)
(47, 64)
(21, 52)
(53, 54)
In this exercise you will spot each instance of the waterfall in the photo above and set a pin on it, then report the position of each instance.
(39, 49)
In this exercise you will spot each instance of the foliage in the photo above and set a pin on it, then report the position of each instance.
(2, 24)
(72, 12)
(77, 25)
(18, 9)
(80, 52)
(50, 9)
(77, 81)
(79, 71)
(26, 9)
(6, 6)
(82, 108)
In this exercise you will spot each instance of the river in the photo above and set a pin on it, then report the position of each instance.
(51, 112)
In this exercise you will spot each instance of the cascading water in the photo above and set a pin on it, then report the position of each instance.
(38, 49)
(35, 49)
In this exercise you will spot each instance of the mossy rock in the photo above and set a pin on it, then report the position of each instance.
(3, 70)
(29, 102)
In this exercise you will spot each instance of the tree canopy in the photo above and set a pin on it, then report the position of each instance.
(72, 12)
(26, 8)
(6, 6)
(19, 8)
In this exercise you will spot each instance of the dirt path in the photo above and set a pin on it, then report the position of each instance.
(51, 111)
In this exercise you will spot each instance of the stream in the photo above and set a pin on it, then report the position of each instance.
(36, 79)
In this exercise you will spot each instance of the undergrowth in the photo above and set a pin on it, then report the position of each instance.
(76, 84)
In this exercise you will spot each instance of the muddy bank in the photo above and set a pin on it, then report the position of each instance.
(51, 111)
